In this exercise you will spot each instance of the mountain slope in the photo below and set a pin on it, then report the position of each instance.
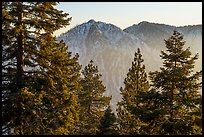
(112, 49)
(153, 34)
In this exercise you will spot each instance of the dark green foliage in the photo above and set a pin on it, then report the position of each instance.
(135, 83)
(150, 111)
(39, 77)
(176, 79)
(92, 101)
(108, 123)
(136, 80)
(42, 92)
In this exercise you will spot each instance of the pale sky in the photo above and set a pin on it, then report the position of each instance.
(125, 14)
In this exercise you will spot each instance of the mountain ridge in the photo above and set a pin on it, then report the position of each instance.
(112, 49)
(142, 22)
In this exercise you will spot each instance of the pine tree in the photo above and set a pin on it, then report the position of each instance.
(135, 83)
(150, 112)
(92, 101)
(40, 79)
(57, 111)
(176, 78)
(23, 23)
(108, 123)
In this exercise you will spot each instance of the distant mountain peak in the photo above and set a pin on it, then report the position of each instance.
(144, 22)
(91, 21)
(112, 49)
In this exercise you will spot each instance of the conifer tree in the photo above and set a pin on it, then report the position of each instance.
(23, 23)
(108, 123)
(40, 79)
(176, 78)
(135, 83)
(92, 101)
(57, 111)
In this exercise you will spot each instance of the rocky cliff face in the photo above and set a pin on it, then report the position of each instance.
(112, 49)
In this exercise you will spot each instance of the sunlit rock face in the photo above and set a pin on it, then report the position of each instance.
(112, 49)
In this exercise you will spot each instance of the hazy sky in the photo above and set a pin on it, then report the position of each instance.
(125, 14)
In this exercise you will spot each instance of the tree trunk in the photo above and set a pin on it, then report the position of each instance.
(20, 64)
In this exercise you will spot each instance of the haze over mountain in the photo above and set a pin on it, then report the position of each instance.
(112, 49)
(154, 34)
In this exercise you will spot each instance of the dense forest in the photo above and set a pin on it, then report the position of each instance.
(45, 91)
